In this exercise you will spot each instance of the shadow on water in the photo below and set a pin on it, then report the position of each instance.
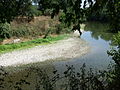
(47, 78)
(32, 77)
(65, 75)
(99, 30)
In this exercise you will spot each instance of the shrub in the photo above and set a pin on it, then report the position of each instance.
(1, 39)
(21, 31)
(48, 12)
(35, 11)
(62, 17)
(38, 27)
(5, 30)
(61, 28)
(115, 54)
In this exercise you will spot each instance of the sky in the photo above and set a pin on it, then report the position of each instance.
(87, 5)
(81, 4)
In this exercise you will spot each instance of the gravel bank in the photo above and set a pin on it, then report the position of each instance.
(69, 48)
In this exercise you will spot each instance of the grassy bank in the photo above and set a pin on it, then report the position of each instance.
(32, 43)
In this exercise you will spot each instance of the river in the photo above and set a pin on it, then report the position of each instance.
(97, 58)
(99, 40)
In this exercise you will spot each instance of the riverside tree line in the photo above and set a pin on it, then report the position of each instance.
(73, 13)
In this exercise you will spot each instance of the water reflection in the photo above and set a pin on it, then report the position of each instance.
(28, 77)
(99, 39)
(49, 75)
(32, 77)
(37, 78)
(99, 30)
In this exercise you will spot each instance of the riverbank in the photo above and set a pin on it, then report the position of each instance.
(64, 49)
(31, 43)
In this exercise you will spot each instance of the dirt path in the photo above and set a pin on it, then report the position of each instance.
(69, 48)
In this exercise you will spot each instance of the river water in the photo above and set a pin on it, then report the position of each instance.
(99, 40)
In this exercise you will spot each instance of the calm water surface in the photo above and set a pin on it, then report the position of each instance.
(99, 40)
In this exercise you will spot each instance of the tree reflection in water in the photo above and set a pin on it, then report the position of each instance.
(35, 78)
(99, 30)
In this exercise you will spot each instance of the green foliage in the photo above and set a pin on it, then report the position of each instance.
(61, 28)
(114, 15)
(113, 78)
(28, 30)
(21, 32)
(106, 10)
(115, 52)
(34, 10)
(117, 40)
(75, 14)
(5, 30)
(47, 12)
(62, 17)
(114, 73)
(9, 9)
(72, 9)
(1, 39)
(38, 28)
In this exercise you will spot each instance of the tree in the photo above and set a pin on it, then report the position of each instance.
(114, 14)
(75, 14)
(9, 9)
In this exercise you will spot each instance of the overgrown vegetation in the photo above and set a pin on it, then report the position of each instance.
(75, 12)
(70, 12)
(35, 11)
(115, 51)
(115, 71)
(5, 30)
(38, 28)
(41, 27)
(13, 8)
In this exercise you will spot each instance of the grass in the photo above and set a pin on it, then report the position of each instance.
(32, 43)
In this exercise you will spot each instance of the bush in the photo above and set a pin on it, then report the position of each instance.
(47, 12)
(22, 31)
(62, 17)
(35, 11)
(115, 73)
(35, 28)
(61, 28)
(5, 30)
(115, 52)
(28, 30)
